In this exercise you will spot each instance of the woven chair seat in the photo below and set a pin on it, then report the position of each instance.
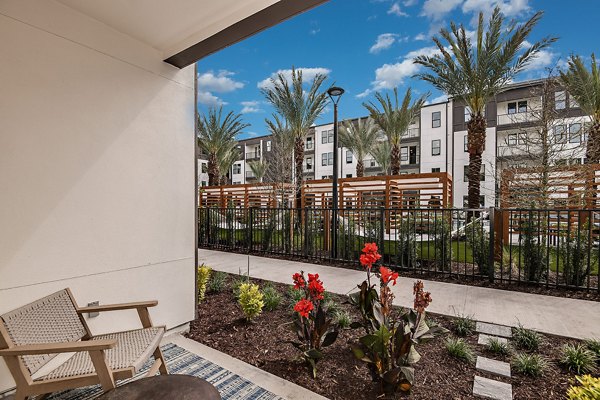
(132, 350)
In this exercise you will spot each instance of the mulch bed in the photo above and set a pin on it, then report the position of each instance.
(582, 294)
(264, 344)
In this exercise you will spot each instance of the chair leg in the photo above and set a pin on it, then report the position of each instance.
(158, 355)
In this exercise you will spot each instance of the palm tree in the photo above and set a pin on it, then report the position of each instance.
(216, 136)
(360, 138)
(259, 169)
(584, 86)
(299, 109)
(225, 160)
(476, 72)
(394, 120)
(382, 155)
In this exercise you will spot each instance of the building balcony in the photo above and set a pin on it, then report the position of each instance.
(255, 155)
(412, 133)
(517, 118)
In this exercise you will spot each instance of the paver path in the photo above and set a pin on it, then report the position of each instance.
(549, 314)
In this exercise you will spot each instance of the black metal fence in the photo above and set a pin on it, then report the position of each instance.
(554, 248)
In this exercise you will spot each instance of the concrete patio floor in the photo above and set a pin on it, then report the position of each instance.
(549, 314)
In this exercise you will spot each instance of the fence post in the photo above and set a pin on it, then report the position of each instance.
(251, 225)
(492, 245)
(207, 228)
(306, 232)
(382, 231)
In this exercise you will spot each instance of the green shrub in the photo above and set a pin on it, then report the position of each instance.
(578, 358)
(497, 347)
(295, 295)
(594, 345)
(406, 243)
(342, 319)
(479, 240)
(464, 325)
(217, 282)
(588, 389)
(534, 249)
(331, 307)
(460, 349)
(529, 364)
(251, 300)
(576, 251)
(442, 243)
(526, 339)
(202, 278)
(271, 297)
(237, 282)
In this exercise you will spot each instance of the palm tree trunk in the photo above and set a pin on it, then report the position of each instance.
(592, 152)
(299, 160)
(360, 168)
(213, 170)
(395, 159)
(476, 145)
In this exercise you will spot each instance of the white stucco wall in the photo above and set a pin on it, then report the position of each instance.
(96, 167)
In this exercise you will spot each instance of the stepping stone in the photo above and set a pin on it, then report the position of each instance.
(484, 339)
(492, 329)
(494, 366)
(492, 389)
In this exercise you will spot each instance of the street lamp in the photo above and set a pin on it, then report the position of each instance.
(335, 93)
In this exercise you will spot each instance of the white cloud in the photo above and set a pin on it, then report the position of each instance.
(438, 99)
(383, 42)
(396, 10)
(421, 37)
(388, 76)
(409, 3)
(543, 59)
(437, 9)
(308, 74)
(510, 8)
(209, 99)
(250, 107)
(251, 134)
(220, 82)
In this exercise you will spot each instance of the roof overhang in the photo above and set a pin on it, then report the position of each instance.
(184, 31)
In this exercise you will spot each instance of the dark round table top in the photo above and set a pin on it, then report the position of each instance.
(180, 387)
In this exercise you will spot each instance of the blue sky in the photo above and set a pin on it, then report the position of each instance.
(368, 45)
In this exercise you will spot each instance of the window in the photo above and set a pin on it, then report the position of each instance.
(309, 143)
(403, 153)
(436, 147)
(237, 168)
(327, 136)
(324, 159)
(576, 161)
(348, 157)
(203, 183)
(323, 137)
(204, 168)
(560, 100)
(309, 163)
(435, 169)
(512, 108)
(348, 175)
(372, 163)
(326, 177)
(481, 174)
(572, 102)
(512, 139)
(575, 133)
(522, 106)
(466, 143)
(268, 145)
(467, 114)
(560, 134)
(481, 201)
(436, 119)
(330, 158)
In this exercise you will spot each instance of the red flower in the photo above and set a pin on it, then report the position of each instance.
(387, 275)
(298, 281)
(315, 287)
(303, 307)
(370, 255)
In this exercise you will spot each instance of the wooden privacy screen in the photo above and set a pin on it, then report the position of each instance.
(560, 187)
(429, 190)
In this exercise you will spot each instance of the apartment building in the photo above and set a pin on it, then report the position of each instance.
(437, 142)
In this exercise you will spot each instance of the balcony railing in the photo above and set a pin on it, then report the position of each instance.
(412, 133)
(411, 160)
(255, 155)
(517, 118)
(250, 175)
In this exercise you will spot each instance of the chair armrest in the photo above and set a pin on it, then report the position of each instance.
(61, 347)
(116, 307)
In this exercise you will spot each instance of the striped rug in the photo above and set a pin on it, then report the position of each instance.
(181, 361)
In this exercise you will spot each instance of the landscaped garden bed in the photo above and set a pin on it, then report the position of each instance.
(265, 342)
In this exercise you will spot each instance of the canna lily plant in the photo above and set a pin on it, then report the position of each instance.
(311, 324)
(388, 347)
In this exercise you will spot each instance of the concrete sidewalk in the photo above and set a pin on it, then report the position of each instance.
(549, 314)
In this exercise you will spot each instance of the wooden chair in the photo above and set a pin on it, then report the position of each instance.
(34, 334)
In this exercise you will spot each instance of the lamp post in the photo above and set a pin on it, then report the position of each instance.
(335, 93)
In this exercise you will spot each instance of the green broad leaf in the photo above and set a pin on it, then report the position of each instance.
(354, 297)
(313, 365)
(413, 356)
(377, 314)
(330, 338)
(421, 329)
(313, 354)
(369, 341)
(358, 352)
